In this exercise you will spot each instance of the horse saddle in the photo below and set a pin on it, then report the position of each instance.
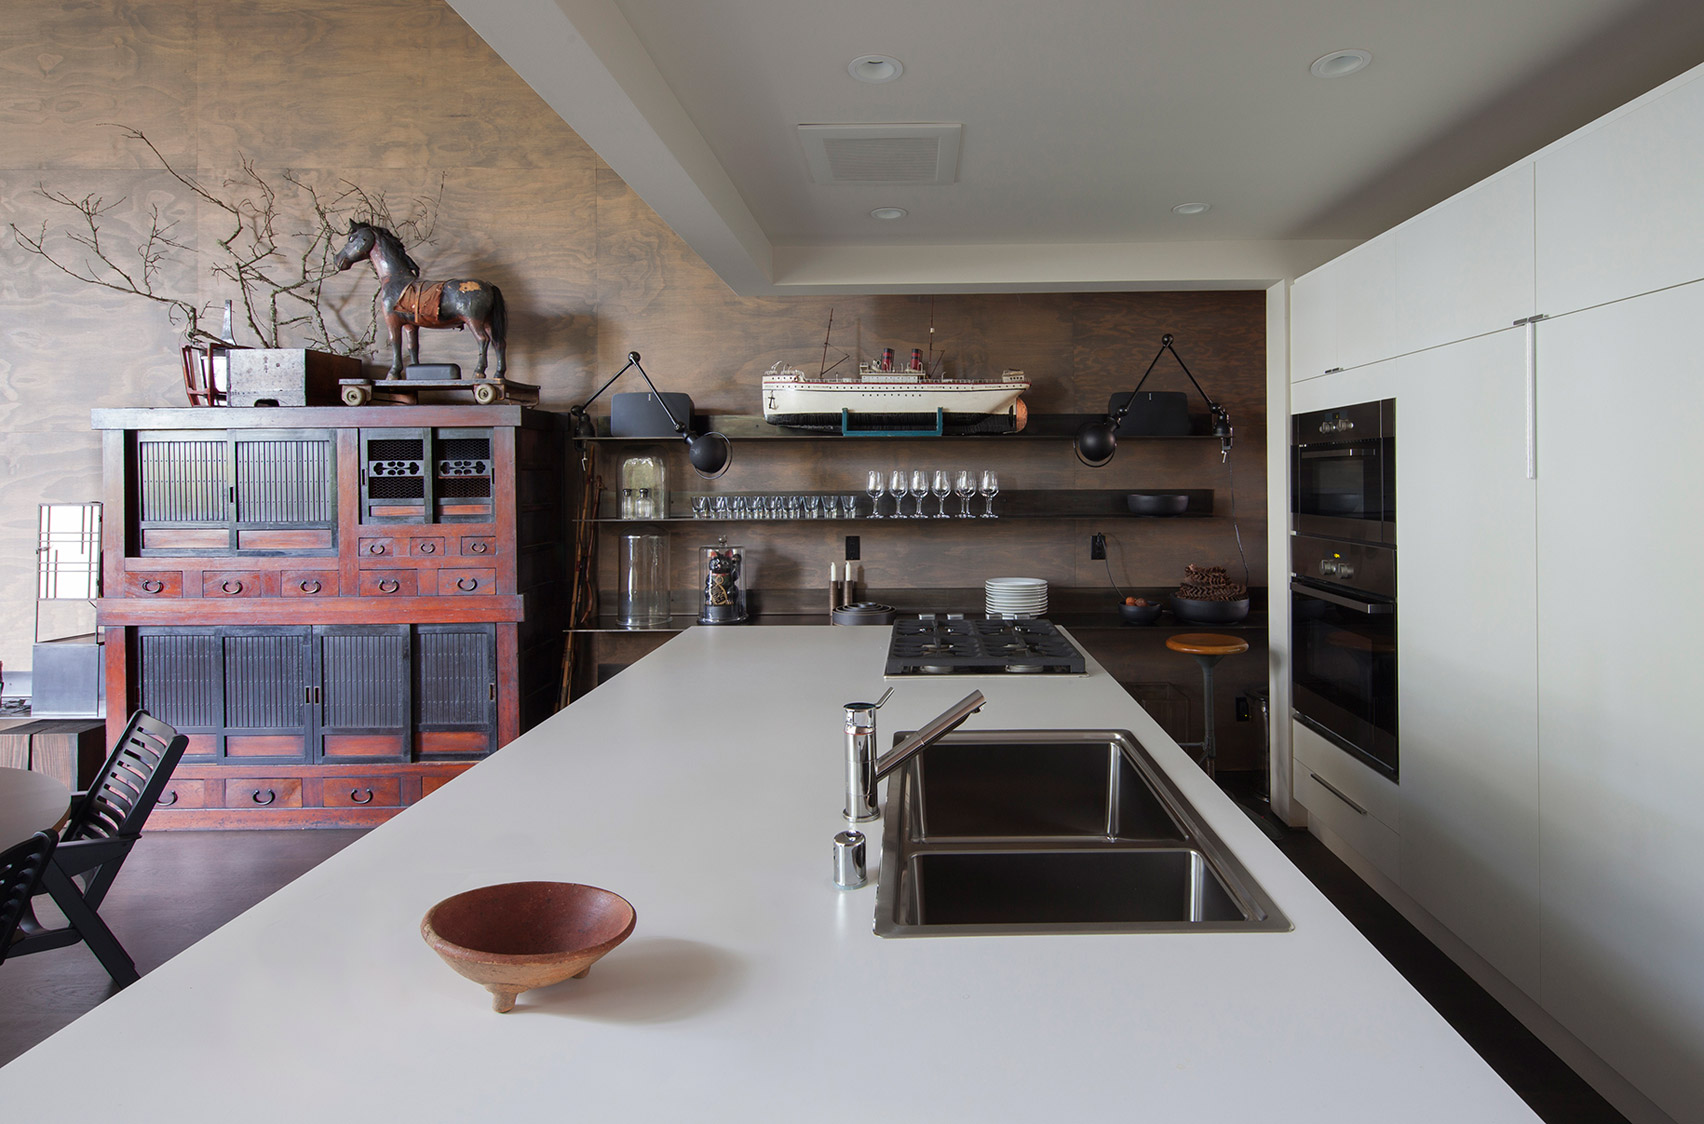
(421, 303)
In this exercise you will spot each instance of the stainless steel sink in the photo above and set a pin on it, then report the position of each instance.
(1026, 831)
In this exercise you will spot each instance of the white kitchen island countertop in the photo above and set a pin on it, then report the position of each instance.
(705, 785)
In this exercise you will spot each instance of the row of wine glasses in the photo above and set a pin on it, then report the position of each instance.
(965, 483)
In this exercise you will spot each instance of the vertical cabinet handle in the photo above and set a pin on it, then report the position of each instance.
(493, 692)
(1531, 323)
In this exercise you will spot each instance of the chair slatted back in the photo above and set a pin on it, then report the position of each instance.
(121, 798)
(20, 873)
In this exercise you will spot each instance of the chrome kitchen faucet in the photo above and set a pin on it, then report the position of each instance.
(864, 769)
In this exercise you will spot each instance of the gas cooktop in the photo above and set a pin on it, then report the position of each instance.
(954, 646)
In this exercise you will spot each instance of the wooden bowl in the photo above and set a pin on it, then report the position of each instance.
(520, 935)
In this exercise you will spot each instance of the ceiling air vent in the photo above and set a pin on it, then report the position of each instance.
(914, 154)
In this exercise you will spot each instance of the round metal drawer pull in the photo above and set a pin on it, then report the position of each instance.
(311, 587)
(270, 797)
(428, 548)
(355, 796)
(167, 800)
(389, 586)
(467, 585)
(232, 587)
(149, 585)
(376, 548)
(478, 548)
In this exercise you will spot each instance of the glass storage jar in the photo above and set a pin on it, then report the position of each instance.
(644, 488)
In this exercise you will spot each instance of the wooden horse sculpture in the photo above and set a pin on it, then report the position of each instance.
(409, 304)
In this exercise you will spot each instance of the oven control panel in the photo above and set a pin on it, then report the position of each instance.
(1364, 566)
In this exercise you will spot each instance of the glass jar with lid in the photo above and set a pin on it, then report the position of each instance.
(644, 488)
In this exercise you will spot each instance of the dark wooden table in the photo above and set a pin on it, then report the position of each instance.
(30, 802)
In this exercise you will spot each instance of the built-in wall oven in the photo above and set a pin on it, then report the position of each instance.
(1343, 472)
(1343, 579)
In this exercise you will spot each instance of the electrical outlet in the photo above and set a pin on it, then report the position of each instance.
(1097, 546)
(852, 549)
(1242, 708)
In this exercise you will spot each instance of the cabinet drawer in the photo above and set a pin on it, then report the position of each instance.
(263, 792)
(154, 583)
(184, 794)
(1356, 826)
(477, 546)
(233, 583)
(390, 583)
(426, 547)
(309, 583)
(374, 549)
(455, 582)
(361, 792)
(1380, 797)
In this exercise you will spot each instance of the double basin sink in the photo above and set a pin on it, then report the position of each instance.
(1077, 831)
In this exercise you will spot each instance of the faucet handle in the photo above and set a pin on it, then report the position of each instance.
(877, 705)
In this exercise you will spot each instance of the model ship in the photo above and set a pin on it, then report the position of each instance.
(880, 398)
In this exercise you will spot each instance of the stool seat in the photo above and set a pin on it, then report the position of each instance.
(1206, 644)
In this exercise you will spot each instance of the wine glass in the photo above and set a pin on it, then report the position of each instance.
(964, 485)
(920, 489)
(990, 489)
(896, 488)
(942, 488)
(873, 487)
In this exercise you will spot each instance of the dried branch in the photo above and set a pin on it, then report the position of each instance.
(276, 251)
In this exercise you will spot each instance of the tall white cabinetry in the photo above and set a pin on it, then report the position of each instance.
(1620, 648)
(1549, 631)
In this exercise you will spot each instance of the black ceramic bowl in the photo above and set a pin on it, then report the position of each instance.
(1140, 614)
(1209, 612)
(1157, 503)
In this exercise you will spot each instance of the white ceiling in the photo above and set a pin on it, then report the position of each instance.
(1085, 121)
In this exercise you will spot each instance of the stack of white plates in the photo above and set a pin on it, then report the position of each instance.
(1013, 598)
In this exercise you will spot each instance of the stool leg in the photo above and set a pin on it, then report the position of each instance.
(1209, 744)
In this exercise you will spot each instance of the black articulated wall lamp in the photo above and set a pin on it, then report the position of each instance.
(1097, 441)
(710, 453)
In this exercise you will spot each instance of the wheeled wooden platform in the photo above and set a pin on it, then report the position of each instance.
(413, 392)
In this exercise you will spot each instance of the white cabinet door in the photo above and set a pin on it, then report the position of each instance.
(1365, 298)
(1621, 644)
(1466, 659)
(1619, 206)
(1313, 324)
(1464, 268)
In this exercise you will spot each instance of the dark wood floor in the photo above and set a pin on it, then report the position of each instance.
(175, 888)
(179, 886)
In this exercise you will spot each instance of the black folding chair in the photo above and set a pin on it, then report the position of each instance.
(105, 822)
(20, 875)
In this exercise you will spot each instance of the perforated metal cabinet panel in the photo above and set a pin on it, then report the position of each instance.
(426, 475)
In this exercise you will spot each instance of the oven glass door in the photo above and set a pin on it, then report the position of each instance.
(1343, 648)
(1343, 490)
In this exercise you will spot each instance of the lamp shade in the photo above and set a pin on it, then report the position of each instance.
(1095, 443)
(709, 454)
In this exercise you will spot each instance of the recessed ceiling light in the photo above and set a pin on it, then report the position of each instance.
(875, 69)
(1192, 208)
(889, 213)
(1340, 64)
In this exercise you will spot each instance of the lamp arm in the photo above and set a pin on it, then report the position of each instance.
(1117, 417)
(579, 411)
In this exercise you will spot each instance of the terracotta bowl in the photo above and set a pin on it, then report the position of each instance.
(520, 935)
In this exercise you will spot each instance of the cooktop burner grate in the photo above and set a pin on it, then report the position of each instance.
(930, 646)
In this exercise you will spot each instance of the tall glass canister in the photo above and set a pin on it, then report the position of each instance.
(643, 600)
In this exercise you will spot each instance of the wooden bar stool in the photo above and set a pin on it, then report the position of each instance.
(1208, 648)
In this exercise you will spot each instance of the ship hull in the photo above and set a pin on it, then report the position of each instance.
(961, 408)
